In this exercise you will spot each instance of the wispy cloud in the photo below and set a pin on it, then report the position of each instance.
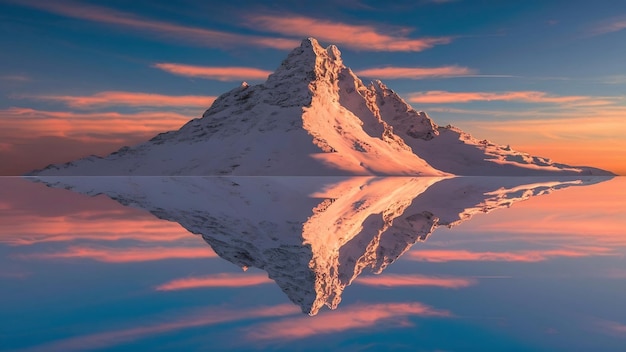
(445, 97)
(134, 99)
(390, 280)
(416, 72)
(165, 30)
(217, 280)
(360, 37)
(212, 72)
(609, 26)
(126, 255)
(529, 256)
(15, 78)
(615, 79)
(439, 1)
(347, 318)
(610, 327)
(204, 317)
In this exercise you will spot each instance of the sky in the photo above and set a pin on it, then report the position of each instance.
(87, 77)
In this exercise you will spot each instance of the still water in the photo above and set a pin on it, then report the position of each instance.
(312, 263)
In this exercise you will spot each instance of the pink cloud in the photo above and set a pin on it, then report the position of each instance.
(529, 256)
(217, 280)
(442, 97)
(218, 73)
(136, 99)
(360, 37)
(347, 318)
(170, 31)
(390, 280)
(205, 317)
(415, 72)
(126, 255)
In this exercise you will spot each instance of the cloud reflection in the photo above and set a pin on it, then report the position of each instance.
(348, 318)
(217, 280)
(204, 317)
(529, 256)
(391, 280)
(125, 255)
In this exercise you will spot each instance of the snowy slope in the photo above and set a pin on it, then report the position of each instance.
(314, 235)
(293, 124)
(315, 117)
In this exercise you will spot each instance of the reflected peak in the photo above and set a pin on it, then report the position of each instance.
(315, 235)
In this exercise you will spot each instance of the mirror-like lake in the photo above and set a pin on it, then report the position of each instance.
(307, 263)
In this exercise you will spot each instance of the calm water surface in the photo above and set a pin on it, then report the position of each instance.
(279, 263)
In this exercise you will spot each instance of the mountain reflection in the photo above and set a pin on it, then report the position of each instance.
(315, 235)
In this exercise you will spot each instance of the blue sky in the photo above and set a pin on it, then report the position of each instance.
(88, 77)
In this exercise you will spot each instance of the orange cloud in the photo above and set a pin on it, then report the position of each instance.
(36, 138)
(169, 31)
(347, 318)
(415, 72)
(135, 99)
(529, 256)
(360, 37)
(126, 255)
(34, 123)
(218, 73)
(441, 97)
(217, 280)
(20, 230)
(390, 280)
(205, 317)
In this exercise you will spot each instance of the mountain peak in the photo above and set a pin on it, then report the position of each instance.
(314, 116)
(306, 63)
(311, 44)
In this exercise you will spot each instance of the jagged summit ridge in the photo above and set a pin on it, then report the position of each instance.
(313, 116)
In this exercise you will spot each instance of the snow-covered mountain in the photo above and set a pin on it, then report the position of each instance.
(314, 235)
(315, 117)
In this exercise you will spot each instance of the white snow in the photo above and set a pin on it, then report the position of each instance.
(315, 117)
